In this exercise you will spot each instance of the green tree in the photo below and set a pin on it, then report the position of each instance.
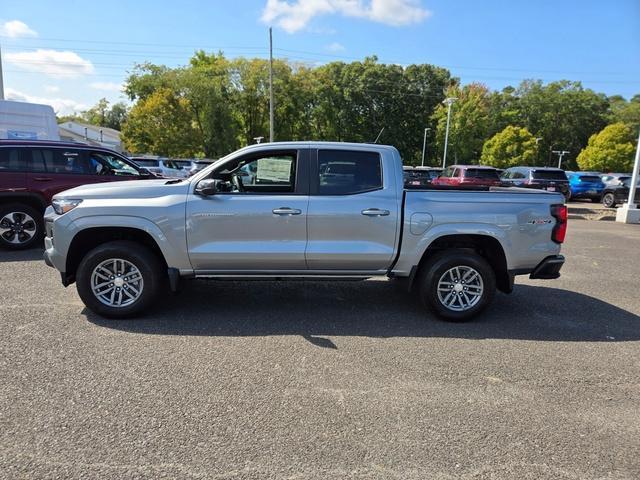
(163, 124)
(626, 112)
(511, 147)
(611, 150)
(469, 126)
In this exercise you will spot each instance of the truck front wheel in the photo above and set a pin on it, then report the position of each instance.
(457, 285)
(119, 279)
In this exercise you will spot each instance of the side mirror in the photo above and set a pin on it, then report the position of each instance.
(207, 187)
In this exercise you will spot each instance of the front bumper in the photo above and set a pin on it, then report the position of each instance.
(549, 268)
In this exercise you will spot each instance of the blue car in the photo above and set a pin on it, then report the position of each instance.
(585, 185)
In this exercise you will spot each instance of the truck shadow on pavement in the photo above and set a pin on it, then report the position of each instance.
(317, 310)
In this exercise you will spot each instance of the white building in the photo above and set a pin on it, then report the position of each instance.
(91, 134)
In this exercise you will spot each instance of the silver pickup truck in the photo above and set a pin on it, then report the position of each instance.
(301, 210)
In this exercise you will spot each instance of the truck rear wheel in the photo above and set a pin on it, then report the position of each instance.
(457, 285)
(119, 279)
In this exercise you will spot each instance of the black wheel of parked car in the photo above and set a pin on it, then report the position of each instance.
(21, 226)
(609, 200)
(120, 279)
(457, 285)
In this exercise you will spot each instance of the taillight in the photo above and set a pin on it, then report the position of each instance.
(559, 212)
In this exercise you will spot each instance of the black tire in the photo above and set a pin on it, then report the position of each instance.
(443, 262)
(26, 226)
(148, 264)
(609, 200)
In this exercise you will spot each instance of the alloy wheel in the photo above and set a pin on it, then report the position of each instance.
(117, 282)
(460, 288)
(17, 228)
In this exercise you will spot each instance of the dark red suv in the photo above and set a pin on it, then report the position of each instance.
(31, 172)
(471, 175)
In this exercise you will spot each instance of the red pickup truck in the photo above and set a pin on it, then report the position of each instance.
(472, 175)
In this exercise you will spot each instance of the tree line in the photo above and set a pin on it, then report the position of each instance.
(215, 105)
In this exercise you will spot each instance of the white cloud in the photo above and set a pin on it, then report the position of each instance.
(51, 88)
(107, 86)
(54, 63)
(62, 106)
(294, 16)
(334, 47)
(16, 29)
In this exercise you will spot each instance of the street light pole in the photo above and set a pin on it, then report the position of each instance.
(634, 178)
(560, 153)
(424, 144)
(1, 80)
(449, 101)
(270, 86)
(538, 149)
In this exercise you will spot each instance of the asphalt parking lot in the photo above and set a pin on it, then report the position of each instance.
(328, 381)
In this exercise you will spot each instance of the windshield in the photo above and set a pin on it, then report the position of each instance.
(111, 164)
(183, 163)
(481, 173)
(548, 175)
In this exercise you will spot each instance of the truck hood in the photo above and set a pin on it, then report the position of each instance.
(126, 189)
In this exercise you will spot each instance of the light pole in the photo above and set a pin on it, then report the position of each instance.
(448, 101)
(538, 149)
(560, 153)
(424, 144)
(271, 126)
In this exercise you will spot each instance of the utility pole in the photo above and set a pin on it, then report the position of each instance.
(560, 153)
(1, 81)
(270, 85)
(449, 101)
(634, 178)
(538, 139)
(424, 144)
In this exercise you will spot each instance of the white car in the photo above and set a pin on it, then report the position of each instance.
(161, 166)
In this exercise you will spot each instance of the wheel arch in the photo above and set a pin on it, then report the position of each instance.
(486, 246)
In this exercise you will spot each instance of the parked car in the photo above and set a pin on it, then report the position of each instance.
(614, 178)
(415, 177)
(198, 165)
(585, 185)
(321, 210)
(184, 164)
(31, 172)
(542, 178)
(469, 175)
(613, 195)
(160, 166)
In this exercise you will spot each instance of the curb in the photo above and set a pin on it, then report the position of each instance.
(596, 214)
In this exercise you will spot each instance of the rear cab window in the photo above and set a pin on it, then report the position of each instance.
(348, 172)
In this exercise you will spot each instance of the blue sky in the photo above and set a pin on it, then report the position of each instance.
(70, 54)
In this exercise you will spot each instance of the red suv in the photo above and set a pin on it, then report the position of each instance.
(469, 175)
(31, 172)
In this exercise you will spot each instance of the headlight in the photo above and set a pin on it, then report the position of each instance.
(64, 205)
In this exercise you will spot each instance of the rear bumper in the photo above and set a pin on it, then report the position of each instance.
(549, 268)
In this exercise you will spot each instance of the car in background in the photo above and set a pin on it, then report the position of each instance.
(184, 164)
(585, 185)
(33, 171)
(197, 165)
(613, 195)
(164, 167)
(415, 177)
(468, 175)
(614, 178)
(541, 178)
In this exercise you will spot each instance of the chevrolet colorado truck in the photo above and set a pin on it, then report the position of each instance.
(314, 210)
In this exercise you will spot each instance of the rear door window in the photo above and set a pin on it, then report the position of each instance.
(59, 160)
(482, 173)
(11, 160)
(344, 172)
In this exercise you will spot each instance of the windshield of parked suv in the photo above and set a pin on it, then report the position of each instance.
(548, 175)
(481, 173)
(110, 164)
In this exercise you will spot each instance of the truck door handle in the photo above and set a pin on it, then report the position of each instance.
(287, 211)
(375, 212)
(42, 179)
